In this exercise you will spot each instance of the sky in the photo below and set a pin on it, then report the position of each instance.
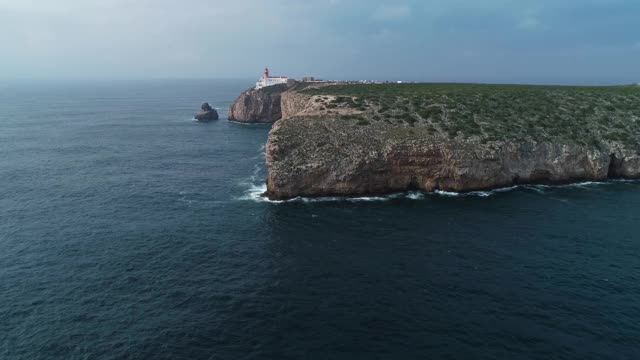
(543, 41)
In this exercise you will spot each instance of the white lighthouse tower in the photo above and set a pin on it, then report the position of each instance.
(267, 80)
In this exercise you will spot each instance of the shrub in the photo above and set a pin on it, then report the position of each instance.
(409, 119)
(577, 114)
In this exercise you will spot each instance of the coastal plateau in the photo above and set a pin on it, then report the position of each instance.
(358, 139)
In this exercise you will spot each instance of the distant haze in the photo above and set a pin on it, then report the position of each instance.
(543, 41)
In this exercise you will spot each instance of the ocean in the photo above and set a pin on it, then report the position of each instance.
(130, 231)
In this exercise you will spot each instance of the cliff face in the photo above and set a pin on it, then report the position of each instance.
(258, 105)
(328, 161)
(266, 105)
(314, 151)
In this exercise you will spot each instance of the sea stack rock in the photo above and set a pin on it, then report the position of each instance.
(207, 114)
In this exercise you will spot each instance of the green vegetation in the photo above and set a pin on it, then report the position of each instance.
(578, 114)
(274, 89)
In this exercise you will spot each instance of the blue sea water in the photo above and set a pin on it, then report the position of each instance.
(129, 231)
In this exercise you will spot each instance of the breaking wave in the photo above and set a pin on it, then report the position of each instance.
(540, 188)
(486, 193)
(255, 192)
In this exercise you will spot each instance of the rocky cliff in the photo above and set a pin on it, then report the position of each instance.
(356, 141)
(258, 105)
(207, 113)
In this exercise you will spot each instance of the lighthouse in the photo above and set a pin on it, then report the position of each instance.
(267, 80)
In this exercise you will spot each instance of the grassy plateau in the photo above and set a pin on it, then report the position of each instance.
(586, 115)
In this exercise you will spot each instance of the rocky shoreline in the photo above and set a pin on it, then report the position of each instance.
(330, 145)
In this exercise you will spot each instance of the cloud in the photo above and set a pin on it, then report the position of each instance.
(390, 13)
(328, 38)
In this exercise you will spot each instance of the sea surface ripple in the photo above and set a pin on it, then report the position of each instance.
(129, 231)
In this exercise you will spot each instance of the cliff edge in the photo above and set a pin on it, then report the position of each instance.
(258, 106)
(371, 139)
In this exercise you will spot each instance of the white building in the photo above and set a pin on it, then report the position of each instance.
(267, 80)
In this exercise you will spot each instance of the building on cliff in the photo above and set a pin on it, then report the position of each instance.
(267, 80)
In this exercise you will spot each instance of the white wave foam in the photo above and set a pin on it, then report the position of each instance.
(415, 195)
(504, 189)
(582, 184)
(627, 181)
(185, 200)
(254, 193)
(537, 188)
(191, 201)
(446, 193)
(481, 193)
(339, 198)
(249, 123)
(368, 198)
(261, 154)
(486, 193)
(578, 184)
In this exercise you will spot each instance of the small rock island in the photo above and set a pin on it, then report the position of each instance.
(350, 139)
(207, 113)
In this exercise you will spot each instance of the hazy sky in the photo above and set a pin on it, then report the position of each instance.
(452, 40)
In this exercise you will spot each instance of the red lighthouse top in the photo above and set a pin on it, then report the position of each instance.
(266, 72)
